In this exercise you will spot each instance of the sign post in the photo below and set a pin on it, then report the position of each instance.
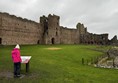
(26, 60)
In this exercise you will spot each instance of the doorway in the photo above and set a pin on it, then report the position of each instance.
(0, 40)
(38, 42)
(53, 40)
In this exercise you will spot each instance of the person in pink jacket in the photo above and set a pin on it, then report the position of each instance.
(16, 58)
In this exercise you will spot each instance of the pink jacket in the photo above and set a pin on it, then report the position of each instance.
(16, 55)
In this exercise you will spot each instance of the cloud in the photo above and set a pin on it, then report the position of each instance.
(100, 16)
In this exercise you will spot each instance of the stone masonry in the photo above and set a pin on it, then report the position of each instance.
(16, 30)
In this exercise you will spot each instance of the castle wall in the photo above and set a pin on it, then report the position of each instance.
(55, 34)
(114, 41)
(69, 36)
(17, 30)
(0, 31)
(90, 38)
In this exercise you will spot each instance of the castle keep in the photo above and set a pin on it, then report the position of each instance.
(16, 30)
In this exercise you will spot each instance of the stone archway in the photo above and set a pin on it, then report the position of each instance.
(53, 41)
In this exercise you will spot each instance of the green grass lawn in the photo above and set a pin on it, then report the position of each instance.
(57, 66)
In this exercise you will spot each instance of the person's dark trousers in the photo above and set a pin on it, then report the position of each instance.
(17, 67)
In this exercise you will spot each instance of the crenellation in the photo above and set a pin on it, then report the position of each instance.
(7, 15)
(19, 30)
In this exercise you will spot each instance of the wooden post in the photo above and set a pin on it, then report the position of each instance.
(91, 60)
(27, 67)
(82, 60)
(96, 60)
(87, 61)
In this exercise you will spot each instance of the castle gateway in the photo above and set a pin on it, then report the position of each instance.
(16, 30)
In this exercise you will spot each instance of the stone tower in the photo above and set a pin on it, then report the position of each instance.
(51, 34)
(44, 25)
(81, 28)
(17, 30)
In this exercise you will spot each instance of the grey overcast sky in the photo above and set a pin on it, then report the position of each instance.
(99, 16)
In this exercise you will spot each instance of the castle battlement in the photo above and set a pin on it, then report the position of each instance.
(4, 14)
(17, 30)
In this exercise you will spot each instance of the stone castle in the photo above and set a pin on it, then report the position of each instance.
(16, 30)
